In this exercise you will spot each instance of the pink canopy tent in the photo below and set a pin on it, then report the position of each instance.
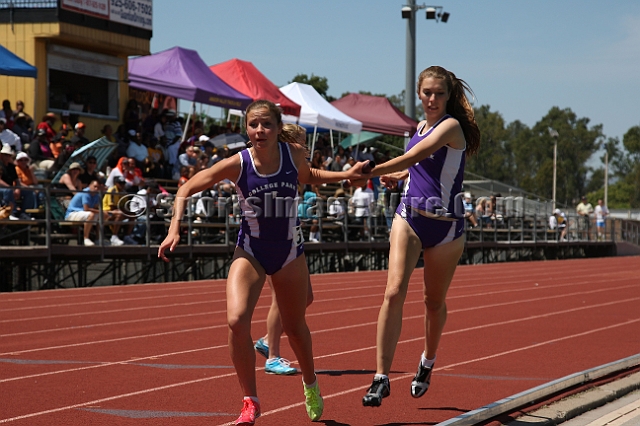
(244, 77)
(377, 114)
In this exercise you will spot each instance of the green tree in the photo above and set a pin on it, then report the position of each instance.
(319, 83)
(631, 142)
(494, 159)
(533, 153)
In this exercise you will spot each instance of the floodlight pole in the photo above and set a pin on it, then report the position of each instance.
(409, 13)
(554, 134)
(409, 92)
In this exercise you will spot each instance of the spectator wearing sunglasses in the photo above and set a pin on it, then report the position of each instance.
(90, 171)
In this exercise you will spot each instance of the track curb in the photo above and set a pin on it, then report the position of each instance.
(538, 393)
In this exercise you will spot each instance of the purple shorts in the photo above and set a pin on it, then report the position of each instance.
(432, 232)
(272, 255)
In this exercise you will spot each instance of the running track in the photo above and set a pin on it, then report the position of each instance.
(157, 354)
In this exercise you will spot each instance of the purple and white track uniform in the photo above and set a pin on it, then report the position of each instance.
(430, 197)
(270, 229)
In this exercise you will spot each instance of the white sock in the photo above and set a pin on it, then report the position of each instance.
(253, 398)
(380, 376)
(311, 385)
(427, 363)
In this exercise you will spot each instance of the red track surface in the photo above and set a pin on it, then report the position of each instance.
(157, 354)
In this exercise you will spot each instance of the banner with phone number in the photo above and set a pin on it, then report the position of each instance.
(137, 13)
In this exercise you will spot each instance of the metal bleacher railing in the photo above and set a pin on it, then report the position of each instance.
(213, 220)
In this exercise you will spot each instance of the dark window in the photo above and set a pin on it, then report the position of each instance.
(82, 93)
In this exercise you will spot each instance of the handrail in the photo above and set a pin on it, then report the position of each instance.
(222, 216)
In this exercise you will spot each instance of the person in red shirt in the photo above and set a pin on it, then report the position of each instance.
(47, 123)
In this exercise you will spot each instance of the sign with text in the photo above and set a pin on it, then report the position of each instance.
(99, 8)
(137, 13)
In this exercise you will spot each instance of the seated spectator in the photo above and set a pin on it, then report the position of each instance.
(225, 188)
(337, 164)
(185, 175)
(40, 151)
(469, 211)
(189, 159)
(64, 123)
(203, 162)
(173, 127)
(78, 138)
(558, 222)
(20, 112)
(47, 124)
(337, 205)
(13, 193)
(90, 171)
(132, 175)
(24, 168)
(85, 207)
(69, 182)
(155, 164)
(58, 142)
(158, 128)
(7, 113)
(317, 160)
(111, 205)
(7, 137)
(65, 154)
(348, 164)
(219, 154)
(137, 150)
(23, 129)
(107, 133)
(147, 200)
(483, 211)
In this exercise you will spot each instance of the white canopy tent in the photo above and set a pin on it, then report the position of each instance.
(317, 112)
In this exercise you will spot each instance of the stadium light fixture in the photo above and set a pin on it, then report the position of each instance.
(435, 13)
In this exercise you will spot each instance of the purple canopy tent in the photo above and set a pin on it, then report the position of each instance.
(181, 73)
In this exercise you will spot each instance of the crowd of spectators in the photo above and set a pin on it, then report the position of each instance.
(150, 148)
(154, 148)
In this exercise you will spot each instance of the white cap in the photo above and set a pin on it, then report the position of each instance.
(22, 155)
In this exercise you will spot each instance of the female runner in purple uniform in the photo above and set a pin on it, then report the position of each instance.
(430, 218)
(269, 243)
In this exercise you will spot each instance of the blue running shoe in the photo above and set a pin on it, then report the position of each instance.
(279, 366)
(262, 348)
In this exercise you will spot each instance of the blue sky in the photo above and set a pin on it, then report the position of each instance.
(521, 58)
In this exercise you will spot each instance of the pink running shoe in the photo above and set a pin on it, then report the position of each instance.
(250, 412)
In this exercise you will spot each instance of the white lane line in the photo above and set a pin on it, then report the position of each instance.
(359, 297)
(327, 331)
(328, 396)
(417, 279)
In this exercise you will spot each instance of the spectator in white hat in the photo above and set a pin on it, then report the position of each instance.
(11, 189)
(24, 168)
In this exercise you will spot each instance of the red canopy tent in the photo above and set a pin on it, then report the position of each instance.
(246, 79)
(377, 114)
